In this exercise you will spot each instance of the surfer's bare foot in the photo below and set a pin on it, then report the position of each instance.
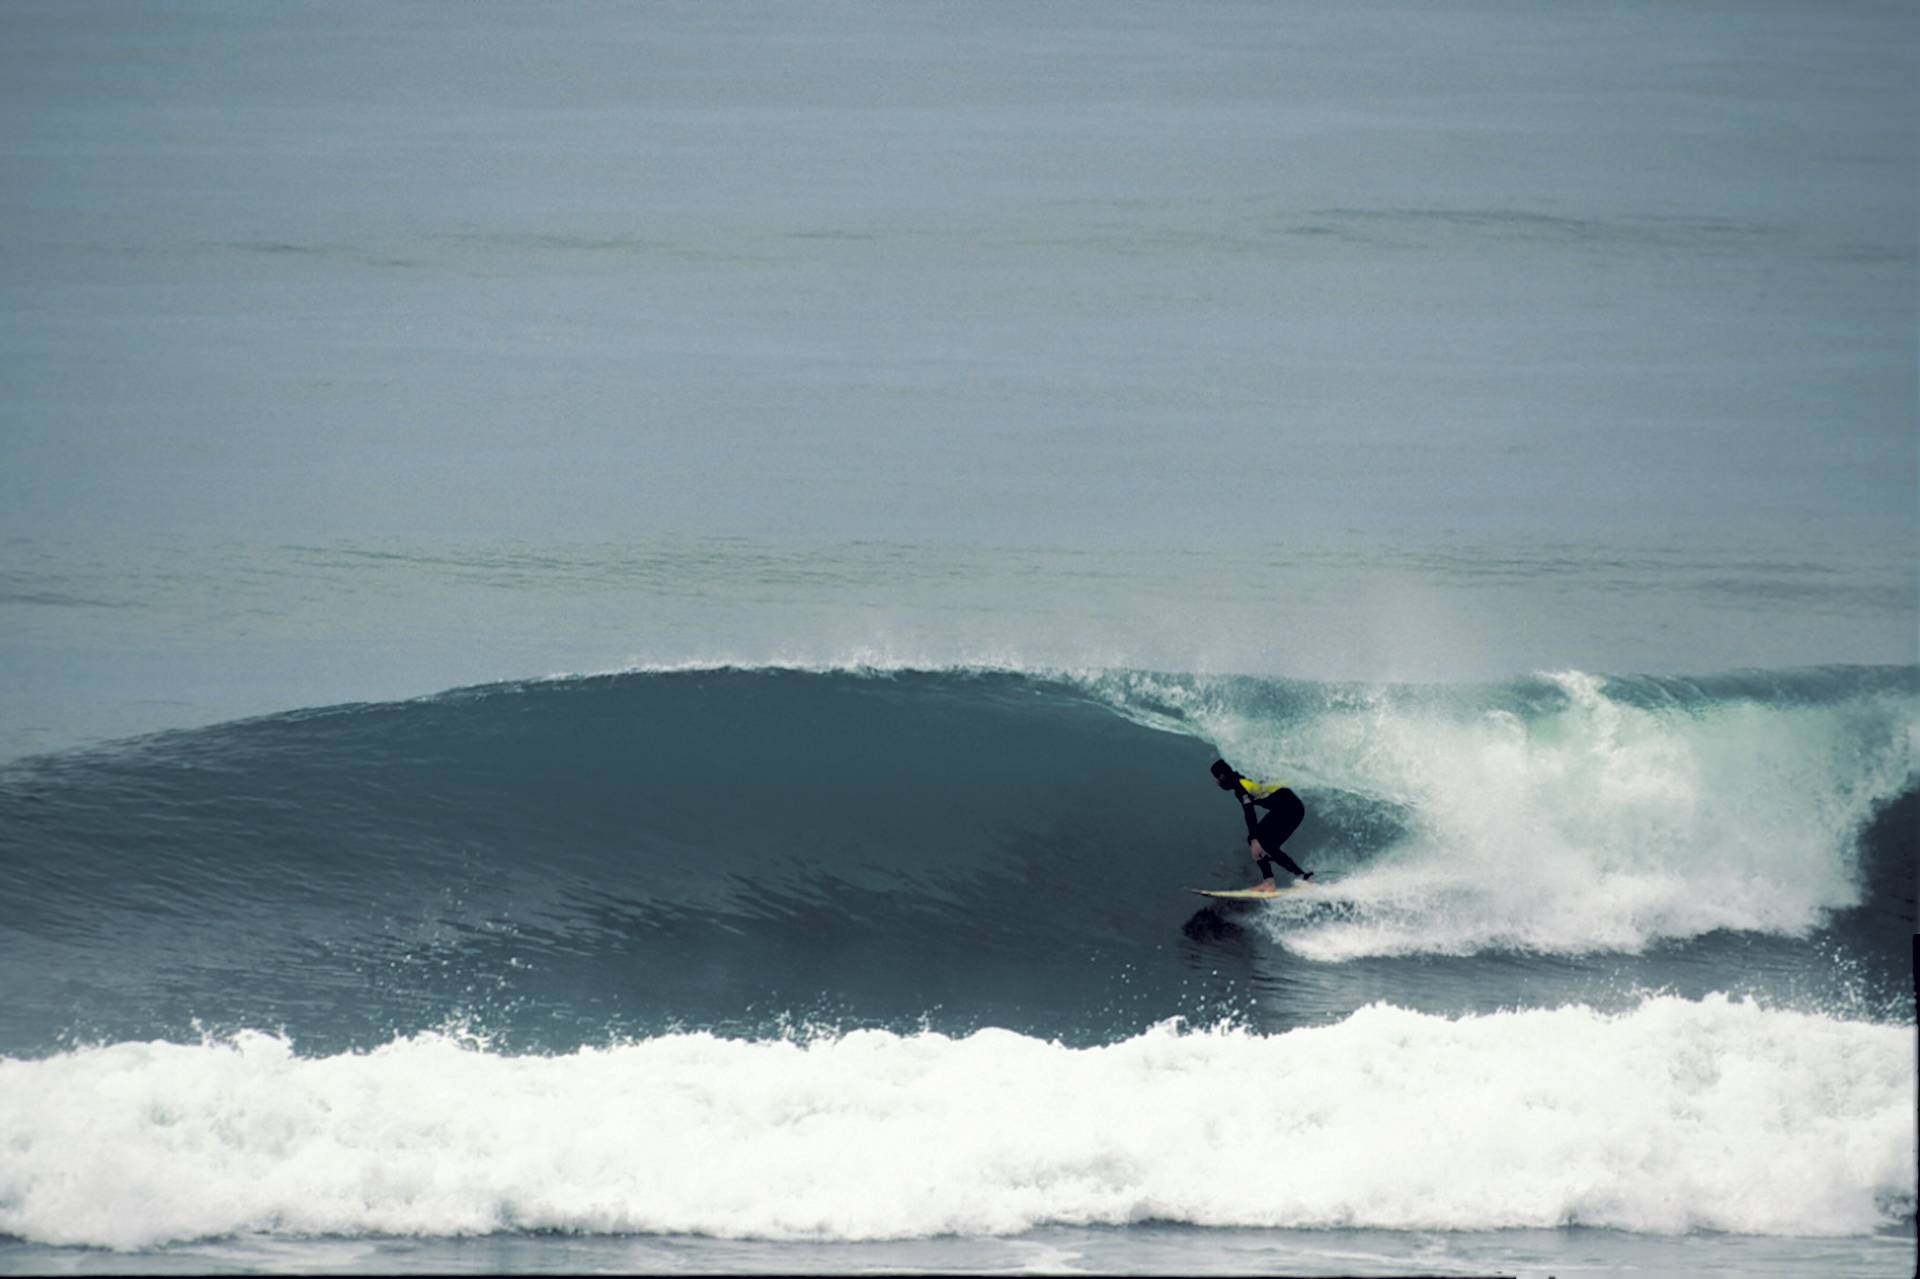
(1264, 886)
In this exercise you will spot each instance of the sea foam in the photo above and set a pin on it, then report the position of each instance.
(1676, 1116)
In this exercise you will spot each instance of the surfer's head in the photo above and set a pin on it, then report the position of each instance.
(1224, 775)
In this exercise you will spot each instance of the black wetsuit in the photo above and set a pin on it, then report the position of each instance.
(1284, 814)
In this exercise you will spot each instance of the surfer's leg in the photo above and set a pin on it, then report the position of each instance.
(1274, 829)
(1280, 855)
(1261, 860)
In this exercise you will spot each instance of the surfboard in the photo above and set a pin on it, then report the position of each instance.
(1248, 894)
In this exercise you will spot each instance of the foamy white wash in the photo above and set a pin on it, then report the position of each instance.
(1719, 1115)
(1602, 826)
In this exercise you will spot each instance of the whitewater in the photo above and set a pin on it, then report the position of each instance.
(1680, 1115)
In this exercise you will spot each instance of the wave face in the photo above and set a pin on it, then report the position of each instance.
(1678, 1116)
(732, 850)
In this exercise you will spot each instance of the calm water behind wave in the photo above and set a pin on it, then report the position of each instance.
(119, 637)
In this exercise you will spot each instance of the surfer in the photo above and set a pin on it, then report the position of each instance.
(1265, 834)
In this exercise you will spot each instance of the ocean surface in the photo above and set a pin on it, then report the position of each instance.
(612, 621)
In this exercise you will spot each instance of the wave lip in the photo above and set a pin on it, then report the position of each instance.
(1677, 1116)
